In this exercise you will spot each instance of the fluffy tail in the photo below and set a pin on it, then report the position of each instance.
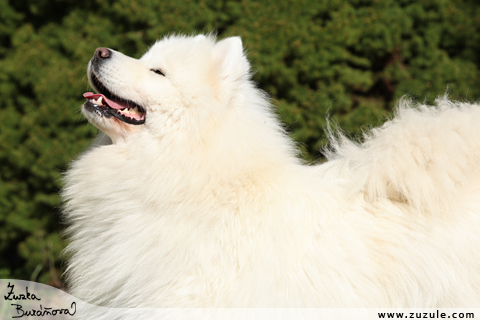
(426, 156)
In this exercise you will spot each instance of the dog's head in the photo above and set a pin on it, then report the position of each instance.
(181, 83)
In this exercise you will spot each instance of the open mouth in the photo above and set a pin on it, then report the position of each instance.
(107, 104)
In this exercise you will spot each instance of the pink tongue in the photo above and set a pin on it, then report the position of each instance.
(111, 104)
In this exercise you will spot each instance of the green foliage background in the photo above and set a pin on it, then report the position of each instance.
(350, 59)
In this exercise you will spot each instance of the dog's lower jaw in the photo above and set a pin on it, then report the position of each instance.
(115, 129)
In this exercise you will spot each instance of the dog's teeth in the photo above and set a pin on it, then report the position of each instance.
(100, 101)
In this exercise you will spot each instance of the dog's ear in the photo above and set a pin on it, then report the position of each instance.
(228, 56)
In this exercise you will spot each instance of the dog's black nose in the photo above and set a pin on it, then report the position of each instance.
(102, 53)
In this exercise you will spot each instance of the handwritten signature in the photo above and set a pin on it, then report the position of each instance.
(40, 312)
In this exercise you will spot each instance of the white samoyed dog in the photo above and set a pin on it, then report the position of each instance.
(201, 201)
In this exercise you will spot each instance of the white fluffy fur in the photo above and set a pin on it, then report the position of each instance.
(206, 205)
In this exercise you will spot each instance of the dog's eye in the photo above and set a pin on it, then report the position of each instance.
(158, 71)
